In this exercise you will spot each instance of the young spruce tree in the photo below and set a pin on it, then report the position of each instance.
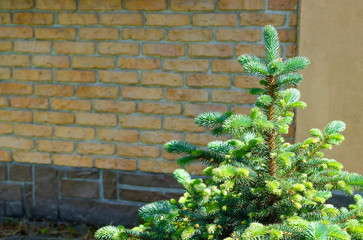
(258, 186)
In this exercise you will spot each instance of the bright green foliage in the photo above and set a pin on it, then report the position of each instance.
(257, 185)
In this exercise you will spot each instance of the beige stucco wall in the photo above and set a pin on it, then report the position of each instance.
(331, 35)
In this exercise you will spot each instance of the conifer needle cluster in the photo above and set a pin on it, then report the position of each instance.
(257, 185)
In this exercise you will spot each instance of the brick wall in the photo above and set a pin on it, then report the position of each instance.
(100, 86)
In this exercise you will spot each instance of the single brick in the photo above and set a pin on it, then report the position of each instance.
(96, 5)
(143, 122)
(6, 128)
(16, 32)
(287, 35)
(190, 95)
(192, 110)
(261, 19)
(73, 160)
(239, 35)
(57, 5)
(5, 73)
(258, 50)
(142, 93)
(4, 102)
(169, 20)
(5, 18)
(192, 5)
(246, 82)
(74, 132)
(6, 45)
(208, 80)
(55, 146)
(79, 189)
(20, 173)
(77, 18)
(5, 156)
(32, 75)
(92, 62)
(159, 108)
(16, 116)
(210, 50)
(162, 79)
(16, 143)
(114, 106)
(74, 47)
(96, 119)
(138, 151)
(26, 102)
(55, 33)
(159, 137)
(33, 46)
(123, 19)
(241, 110)
(18, 4)
(98, 34)
(190, 35)
(33, 130)
(97, 92)
(32, 157)
(51, 61)
(288, 5)
(96, 148)
(52, 90)
(227, 66)
(70, 104)
(118, 135)
(241, 4)
(118, 77)
(142, 34)
(138, 63)
(181, 125)
(33, 18)
(214, 19)
(293, 19)
(109, 184)
(16, 89)
(157, 166)
(146, 5)
(75, 76)
(225, 96)
(115, 163)
(54, 117)
(187, 65)
(110, 48)
(290, 50)
(14, 60)
(163, 50)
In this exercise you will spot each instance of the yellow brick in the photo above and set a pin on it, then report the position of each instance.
(246, 82)
(4, 102)
(98, 34)
(109, 48)
(142, 122)
(75, 76)
(16, 143)
(6, 46)
(16, 32)
(55, 146)
(224, 96)
(52, 90)
(115, 163)
(114, 106)
(14, 60)
(71, 105)
(261, 19)
(96, 119)
(293, 19)
(16, 89)
(163, 50)
(159, 108)
(202, 139)
(77, 18)
(159, 137)
(258, 50)
(162, 79)
(32, 157)
(96, 148)
(97, 92)
(138, 151)
(288, 5)
(138, 63)
(192, 110)
(16, 4)
(74, 132)
(142, 93)
(190, 95)
(239, 35)
(187, 65)
(192, 5)
(55, 33)
(5, 156)
(241, 4)
(118, 135)
(5, 18)
(157, 166)
(146, 5)
(287, 35)
(227, 66)
(171, 20)
(6, 128)
(16, 116)
(54, 117)
(74, 47)
(96, 5)
(84, 62)
(57, 4)
(190, 35)
(143, 34)
(33, 18)
(32, 75)
(123, 19)
(210, 50)
(51, 61)
(33, 130)
(26, 102)
(73, 160)
(241, 110)
(181, 124)
(208, 80)
(118, 77)
(214, 19)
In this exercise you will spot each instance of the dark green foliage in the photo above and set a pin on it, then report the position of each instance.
(258, 186)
